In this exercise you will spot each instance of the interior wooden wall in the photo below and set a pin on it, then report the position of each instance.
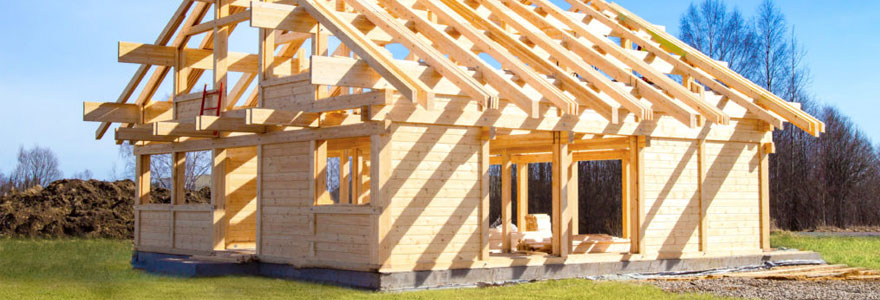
(241, 197)
(435, 195)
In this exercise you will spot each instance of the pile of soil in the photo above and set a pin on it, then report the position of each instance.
(78, 208)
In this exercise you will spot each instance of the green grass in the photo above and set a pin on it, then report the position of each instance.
(100, 269)
(852, 251)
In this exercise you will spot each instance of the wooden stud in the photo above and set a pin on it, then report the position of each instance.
(522, 195)
(322, 195)
(344, 177)
(485, 180)
(701, 190)
(178, 178)
(561, 180)
(380, 173)
(764, 175)
(506, 208)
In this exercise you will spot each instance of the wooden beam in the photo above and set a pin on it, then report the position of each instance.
(284, 136)
(297, 19)
(265, 116)
(221, 52)
(141, 134)
(142, 180)
(111, 112)
(344, 178)
(224, 21)
(172, 128)
(229, 124)
(702, 197)
(354, 39)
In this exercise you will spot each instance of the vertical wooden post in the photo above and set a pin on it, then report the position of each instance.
(319, 48)
(561, 180)
(142, 192)
(522, 195)
(344, 176)
(574, 197)
(322, 196)
(639, 191)
(764, 174)
(218, 198)
(267, 58)
(506, 207)
(484, 193)
(380, 173)
(142, 180)
(259, 212)
(357, 179)
(178, 178)
(221, 49)
(701, 181)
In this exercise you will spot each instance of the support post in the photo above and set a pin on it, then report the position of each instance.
(357, 179)
(484, 193)
(142, 192)
(522, 195)
(344, 176)
(638, 190)
(764, 173)
(380, 173)
(561, 180)
(267, 58)
(178, 178)
(626, 197)
(506, 207)
(218, 198)
(322, 196)
(221, 49)
(701, 165)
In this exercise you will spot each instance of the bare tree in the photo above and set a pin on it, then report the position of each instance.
(37, 166)
(198, 164)
(83, 175)
(773, 49)
(722, 33)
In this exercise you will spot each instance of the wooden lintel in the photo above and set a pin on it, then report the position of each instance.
(141, 134)
(171, 128)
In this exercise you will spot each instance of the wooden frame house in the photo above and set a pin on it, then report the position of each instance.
(466, 85)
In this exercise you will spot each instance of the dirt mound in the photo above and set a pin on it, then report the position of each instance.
(70, 208)
(79, 208)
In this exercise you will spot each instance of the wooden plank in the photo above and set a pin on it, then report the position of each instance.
(354, 39)
(704, 206)
(380, 192)
(178, 179)
(224, 21)
(221, 52)
(319, 179)
(111, 112)
(173, 128)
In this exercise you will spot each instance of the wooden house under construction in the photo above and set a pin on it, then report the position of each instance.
(407, 103)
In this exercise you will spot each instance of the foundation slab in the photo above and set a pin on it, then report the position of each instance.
(184, 266)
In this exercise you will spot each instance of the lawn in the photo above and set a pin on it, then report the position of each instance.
(100, 269)
(852, 251)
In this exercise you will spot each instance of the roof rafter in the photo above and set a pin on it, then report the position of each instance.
(413, 89)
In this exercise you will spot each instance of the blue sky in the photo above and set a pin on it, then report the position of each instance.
(55, 55)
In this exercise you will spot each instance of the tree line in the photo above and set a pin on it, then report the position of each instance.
(34, 166)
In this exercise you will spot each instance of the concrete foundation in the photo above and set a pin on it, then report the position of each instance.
(177, 265)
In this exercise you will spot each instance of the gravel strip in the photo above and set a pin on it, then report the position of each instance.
(775, 289)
